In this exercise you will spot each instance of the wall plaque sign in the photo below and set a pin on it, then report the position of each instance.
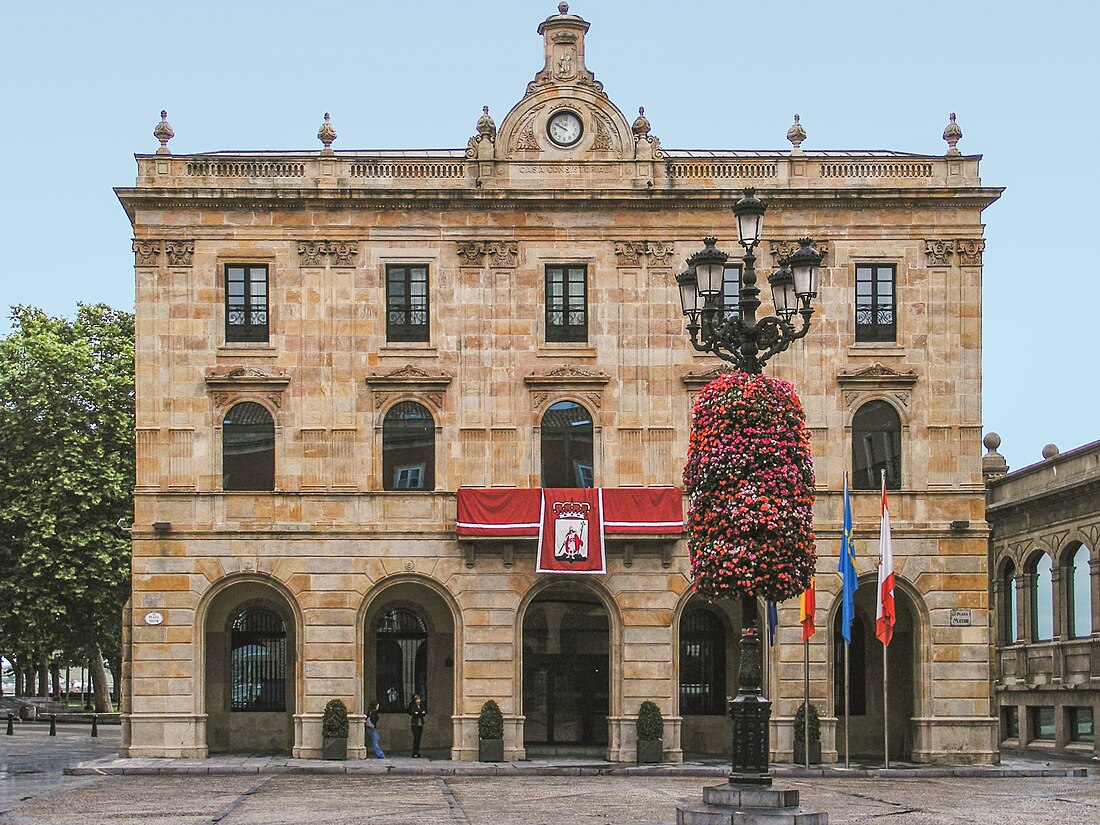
(960, 617)
(154, 618)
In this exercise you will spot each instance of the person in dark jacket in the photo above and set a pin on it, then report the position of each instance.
(417, 712)
(372, 729)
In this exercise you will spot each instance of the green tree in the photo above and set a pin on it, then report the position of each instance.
(66, 477)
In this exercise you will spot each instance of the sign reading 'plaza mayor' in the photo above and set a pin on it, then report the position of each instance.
(414, 422)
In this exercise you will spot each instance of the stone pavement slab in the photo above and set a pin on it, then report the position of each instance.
(283, 799)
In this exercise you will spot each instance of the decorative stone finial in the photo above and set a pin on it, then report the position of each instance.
(993, 463)
(163, 132)
(641, 125)
(952, 134)
(1050, 451)
(796, 134)
(326, 134)
(563, 8)
(485, 125)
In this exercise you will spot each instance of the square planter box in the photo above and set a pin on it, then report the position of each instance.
(490, 750)
(650, 751)
(800, 753)
(335, 748)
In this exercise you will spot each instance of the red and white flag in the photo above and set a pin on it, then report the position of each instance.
(884, 616)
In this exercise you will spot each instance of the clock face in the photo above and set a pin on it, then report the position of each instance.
(564, 128)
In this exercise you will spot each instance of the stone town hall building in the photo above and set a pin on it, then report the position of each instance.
(331, 343)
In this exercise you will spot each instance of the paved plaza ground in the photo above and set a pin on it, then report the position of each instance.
(33, 791)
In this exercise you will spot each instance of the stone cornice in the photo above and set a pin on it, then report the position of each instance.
(585, 198)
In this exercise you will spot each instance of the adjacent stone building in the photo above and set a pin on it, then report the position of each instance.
(1045, 523)
(331, 343)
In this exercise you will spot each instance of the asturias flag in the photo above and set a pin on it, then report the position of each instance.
(849, 580)
(807, 604)
(884, 616)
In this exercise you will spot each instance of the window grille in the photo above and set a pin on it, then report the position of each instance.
(246, 303)
(257, 661)
(702, 664)
(401, 638)
(876, 316)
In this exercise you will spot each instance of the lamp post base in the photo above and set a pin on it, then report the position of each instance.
(723, 805)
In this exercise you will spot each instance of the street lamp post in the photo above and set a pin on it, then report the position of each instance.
(747, 342)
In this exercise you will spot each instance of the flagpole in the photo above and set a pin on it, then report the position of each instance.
(806, 699)
(847, 714)
(885, 712)
(885, 682)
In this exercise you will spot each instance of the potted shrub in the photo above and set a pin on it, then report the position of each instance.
(334, 730)
(490, 733)
(651, 730)
(800, 735)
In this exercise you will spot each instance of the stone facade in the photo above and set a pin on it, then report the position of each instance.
(1045, 579)
(329, 550)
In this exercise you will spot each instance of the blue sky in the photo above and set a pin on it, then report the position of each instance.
(84, 85)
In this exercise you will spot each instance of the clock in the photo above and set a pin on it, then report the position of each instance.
(564, 128)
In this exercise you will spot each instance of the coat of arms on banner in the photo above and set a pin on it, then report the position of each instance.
(571, 531)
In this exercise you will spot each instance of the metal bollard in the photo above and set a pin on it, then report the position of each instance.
(53, 724)
(11, 723)
(95, 725)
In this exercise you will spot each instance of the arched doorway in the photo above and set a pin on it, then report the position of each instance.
(566, 671)
(409, 649)
(708, 660)
(251, 660)
(865, 667)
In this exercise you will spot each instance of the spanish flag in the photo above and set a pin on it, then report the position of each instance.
(807, 604)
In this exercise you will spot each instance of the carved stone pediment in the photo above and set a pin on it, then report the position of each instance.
(585, 383)
(876, 377)
(228, 383)
(568, 377)
(635, 253)
(695, 381)
(407, 378)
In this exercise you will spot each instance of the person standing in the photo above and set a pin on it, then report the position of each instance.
(372, 729)
(417, 713)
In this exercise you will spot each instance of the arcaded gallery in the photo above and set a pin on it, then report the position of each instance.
(364, 379)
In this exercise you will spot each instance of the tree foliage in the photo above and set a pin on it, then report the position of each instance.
(66, 477)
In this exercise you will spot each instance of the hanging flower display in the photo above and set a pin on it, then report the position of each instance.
(750, 476)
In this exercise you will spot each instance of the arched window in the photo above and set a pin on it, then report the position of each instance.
(248, 448)
(257, 661)
(408, 448)
(876, 446)
(401, 639)
(1008, 605)
(567, 446)
(1042, 599)
(857, 665)
(1078, 586)
(702, 663)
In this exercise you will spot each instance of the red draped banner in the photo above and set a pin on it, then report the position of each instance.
(570, 523)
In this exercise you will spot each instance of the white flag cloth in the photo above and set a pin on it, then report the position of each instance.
(884, 615)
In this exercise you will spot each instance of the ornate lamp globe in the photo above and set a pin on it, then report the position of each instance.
(709, 264)
(783, 292)
(805, 263)
(749, 212)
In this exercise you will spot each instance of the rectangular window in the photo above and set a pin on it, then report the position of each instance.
(567, 303)
(409, 478)
(1011, 719)
(1080, 725)
(1042, 723)
(731, 292)
(406, 302)
(876, 316)
(246, 302)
